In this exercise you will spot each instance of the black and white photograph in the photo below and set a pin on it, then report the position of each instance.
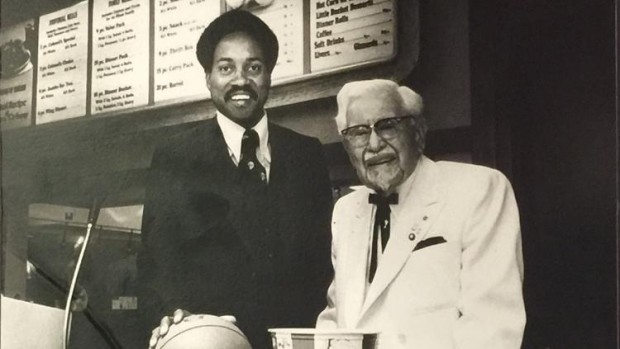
(309, 174)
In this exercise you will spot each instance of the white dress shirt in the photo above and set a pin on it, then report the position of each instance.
(233, 133)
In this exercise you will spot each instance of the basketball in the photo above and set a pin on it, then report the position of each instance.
(203, 332)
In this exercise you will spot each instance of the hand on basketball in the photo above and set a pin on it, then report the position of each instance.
(176, 317)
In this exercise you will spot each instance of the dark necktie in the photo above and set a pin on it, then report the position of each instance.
(248, 164)
(381, 227)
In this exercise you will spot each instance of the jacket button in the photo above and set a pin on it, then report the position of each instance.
(411, 236)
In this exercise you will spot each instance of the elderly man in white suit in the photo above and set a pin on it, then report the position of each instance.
(427, 253)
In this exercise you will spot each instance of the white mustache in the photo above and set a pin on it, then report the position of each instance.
(379, 158)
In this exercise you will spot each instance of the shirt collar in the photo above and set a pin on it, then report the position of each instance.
(233, 133)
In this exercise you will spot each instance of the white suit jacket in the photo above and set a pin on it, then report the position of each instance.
(463, 293)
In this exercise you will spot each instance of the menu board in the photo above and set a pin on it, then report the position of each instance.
(62, 64)
(17, 44)
(286, 20)
(178, 25)
(102, 56)
(120, 73)
(349, 32)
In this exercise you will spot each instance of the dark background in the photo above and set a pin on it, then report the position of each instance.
(544, 88)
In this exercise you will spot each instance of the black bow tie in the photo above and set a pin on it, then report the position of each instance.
(381, 200)
(381, 230)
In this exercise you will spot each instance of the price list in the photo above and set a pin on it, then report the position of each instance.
(286, 18)
(120, 73)
(16, 43)
(348, 32)
(178, 25)
(62, 64)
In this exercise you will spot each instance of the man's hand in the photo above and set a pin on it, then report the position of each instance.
(176, 317)
(165, 324)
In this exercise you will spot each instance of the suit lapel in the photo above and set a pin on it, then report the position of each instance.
(278, 182)
(358, 246)
(210, 144)
(278, 169)
(421, 206)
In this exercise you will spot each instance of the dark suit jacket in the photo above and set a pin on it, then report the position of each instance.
(213, 245)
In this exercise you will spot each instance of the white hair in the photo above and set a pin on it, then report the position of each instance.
(408, 100)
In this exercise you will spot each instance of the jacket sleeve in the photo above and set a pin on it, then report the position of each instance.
(492, 313)
(157, 222)
(321, 271)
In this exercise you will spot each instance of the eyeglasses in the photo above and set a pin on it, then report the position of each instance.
(359, 135)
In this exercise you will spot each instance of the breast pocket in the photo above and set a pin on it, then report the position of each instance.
(430, 278)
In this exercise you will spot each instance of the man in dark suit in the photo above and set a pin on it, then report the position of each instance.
(237, 211)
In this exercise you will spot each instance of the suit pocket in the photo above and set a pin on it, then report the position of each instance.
(431, 241)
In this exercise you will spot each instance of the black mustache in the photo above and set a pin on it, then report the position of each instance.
(245, 89)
